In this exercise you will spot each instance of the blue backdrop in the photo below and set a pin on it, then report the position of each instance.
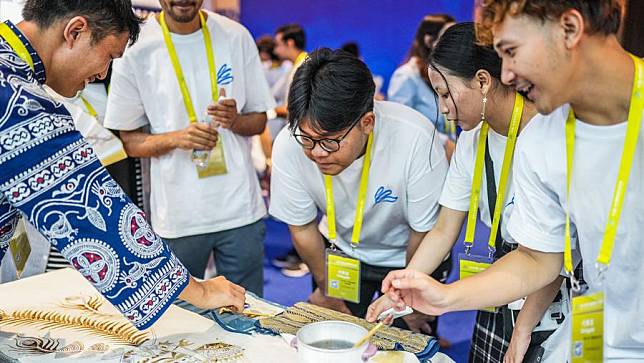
(384, 29)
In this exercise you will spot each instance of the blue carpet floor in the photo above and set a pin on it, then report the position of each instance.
(455, 327)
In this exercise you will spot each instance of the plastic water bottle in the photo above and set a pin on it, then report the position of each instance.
(200, 157)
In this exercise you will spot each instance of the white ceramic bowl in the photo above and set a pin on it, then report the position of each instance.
(332, 330)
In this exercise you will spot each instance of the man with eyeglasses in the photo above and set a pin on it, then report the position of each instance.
(344, 147)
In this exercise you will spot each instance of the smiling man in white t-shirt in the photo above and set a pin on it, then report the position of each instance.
(197, 212)
(331, 117)
(563, 55)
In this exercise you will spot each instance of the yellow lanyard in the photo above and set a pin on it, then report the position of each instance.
(300, 59)
(16, 44)
(90, 109)
(362, 197)
(630, 143)
(212, 69)
(513, 130)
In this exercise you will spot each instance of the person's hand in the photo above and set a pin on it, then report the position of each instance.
(377, 307)
(197, 136)
(518, 347)
(417, 290)
(419, 322)
(416, 321)
(214, 293)
(318, 298)
(224, 113)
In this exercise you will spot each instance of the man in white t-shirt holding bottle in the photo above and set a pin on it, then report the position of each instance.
(205, 195)
(574, 164)
(343, 147)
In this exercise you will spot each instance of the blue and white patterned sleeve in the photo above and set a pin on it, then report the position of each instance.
(52, 176)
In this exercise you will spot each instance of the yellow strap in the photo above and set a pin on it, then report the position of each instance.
(630, 144)
(16, 44)
(513, 130)
(212, 69)
(362, 198)
(300, 59)
(476, 185)
(570, 150)
(330, 208)
(505, 169)
(90, 109)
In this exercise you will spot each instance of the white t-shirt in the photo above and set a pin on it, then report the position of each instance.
(407, 172)
(11, 10)
(458, 185)
(144, 90)
(96, 95)
(539, 216)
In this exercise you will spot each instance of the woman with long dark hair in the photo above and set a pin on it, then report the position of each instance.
(410, 83)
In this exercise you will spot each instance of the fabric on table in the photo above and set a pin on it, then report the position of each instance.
(387, 338)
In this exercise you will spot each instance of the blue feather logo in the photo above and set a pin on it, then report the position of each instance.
(384, 195)
(225, 75)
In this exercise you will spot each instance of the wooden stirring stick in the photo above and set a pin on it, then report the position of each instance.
(369, 334)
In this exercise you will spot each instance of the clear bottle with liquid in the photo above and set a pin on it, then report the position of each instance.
(200, 157)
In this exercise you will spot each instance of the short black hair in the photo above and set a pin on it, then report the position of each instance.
(330, 90)
(105, 17)
(295, 32)
(351, 47)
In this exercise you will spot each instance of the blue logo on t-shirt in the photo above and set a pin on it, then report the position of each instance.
(384, 195)
(225, 75)
(511, 202)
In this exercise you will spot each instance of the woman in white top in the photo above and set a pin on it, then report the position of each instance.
(466, 78)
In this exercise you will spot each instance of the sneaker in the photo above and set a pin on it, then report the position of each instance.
(296, 271)
(289, 260)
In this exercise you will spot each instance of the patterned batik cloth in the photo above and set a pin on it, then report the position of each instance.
(51, 176)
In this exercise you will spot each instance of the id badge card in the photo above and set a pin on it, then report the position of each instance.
(342, 276)
(470, 265)
(216, 162)
(588, 328)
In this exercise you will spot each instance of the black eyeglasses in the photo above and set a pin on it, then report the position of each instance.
(328, 145)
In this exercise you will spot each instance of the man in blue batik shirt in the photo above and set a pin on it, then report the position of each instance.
(51, 176)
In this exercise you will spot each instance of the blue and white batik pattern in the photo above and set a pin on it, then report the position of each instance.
(51, 176)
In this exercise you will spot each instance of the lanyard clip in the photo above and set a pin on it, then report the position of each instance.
(468, 247)
(576, 285)
(601, 271)
(333, 246)
(491, 252)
